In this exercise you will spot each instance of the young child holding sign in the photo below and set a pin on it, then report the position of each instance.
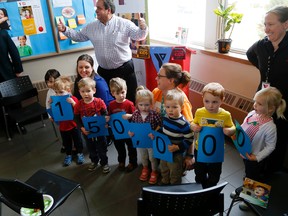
(92, 106)
(145, 113)
(261, 130)
(177, 128)
(50, 76)
(68, 129)
(211, 115)
(118, 90)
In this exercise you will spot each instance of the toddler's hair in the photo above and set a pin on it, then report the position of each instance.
(51, 73)
(63, 83)
(174, 71)
(117, 85)
(142, 93)
(273, 98)
(87, 81)
(216, 89)
(175, 94)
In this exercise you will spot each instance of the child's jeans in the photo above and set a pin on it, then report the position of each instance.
(97, 148)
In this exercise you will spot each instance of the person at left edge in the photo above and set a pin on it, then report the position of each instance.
(9, 69)
(110, 36)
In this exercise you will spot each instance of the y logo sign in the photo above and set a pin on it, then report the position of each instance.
(160, 55)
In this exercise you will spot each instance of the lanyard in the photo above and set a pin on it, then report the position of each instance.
(268, 68)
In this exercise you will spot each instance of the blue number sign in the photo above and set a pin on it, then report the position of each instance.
(61, 109)
(211, 145)
(242, 141)
(119, 126)
(160, 147)
(96, 125)
(140, 138)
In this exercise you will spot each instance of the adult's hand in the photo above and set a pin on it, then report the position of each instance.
(141, 22)
(61, 27)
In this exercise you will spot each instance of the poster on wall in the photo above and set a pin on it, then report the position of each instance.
(31, 16)
(31, 33)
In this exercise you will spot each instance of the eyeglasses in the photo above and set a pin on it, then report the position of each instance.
(159, 76)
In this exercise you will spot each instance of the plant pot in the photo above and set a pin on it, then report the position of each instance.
(224, 45)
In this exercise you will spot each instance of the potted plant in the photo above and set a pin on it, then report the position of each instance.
(228, 19)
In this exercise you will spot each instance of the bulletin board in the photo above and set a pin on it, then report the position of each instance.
(76, 12)
(30, 19)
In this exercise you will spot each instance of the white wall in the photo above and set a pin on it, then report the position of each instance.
(236, 77)
(65, 64)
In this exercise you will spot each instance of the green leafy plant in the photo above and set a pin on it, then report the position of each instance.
(228, 18)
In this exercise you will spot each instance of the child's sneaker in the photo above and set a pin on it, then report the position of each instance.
(80, 158)
(144, 174)
(92, 166)
(153, 178)
(106, 169)
(67, 160)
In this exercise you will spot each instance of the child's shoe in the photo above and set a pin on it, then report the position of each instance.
(131, 167)
(80, 158)
(92, 166)
(106, 169)
(121, 167)
(67, 160)
(154, 177)
(144, 174)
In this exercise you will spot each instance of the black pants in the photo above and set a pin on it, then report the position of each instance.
(207, 174)
(121, 149)
(126, 72)
(255, 170)
(71, 137)
(276, 159)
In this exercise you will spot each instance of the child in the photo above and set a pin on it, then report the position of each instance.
(177, 128)
(261, 130)
(118, 89)
(4, 19)
(143, 114)
(23, 48)
(50, 77)
(211, 115)
(68, 129)
(92, 106)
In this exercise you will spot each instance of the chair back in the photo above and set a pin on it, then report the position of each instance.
(16, 90)
(15, 86)
(177, 200)
(17, 194)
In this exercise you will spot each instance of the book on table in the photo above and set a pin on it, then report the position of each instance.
(255, 192)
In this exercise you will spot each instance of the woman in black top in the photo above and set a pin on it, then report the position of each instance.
(270, 56)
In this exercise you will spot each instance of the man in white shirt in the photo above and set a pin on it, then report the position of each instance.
(110, 36)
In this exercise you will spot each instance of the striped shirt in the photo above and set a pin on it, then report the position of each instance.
(110, 41)
(178, 131)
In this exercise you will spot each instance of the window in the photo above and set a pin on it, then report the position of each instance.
(251, 28)
(192, 22)
(180, 22)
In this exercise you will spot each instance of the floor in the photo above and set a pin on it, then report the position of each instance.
(110, 194)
